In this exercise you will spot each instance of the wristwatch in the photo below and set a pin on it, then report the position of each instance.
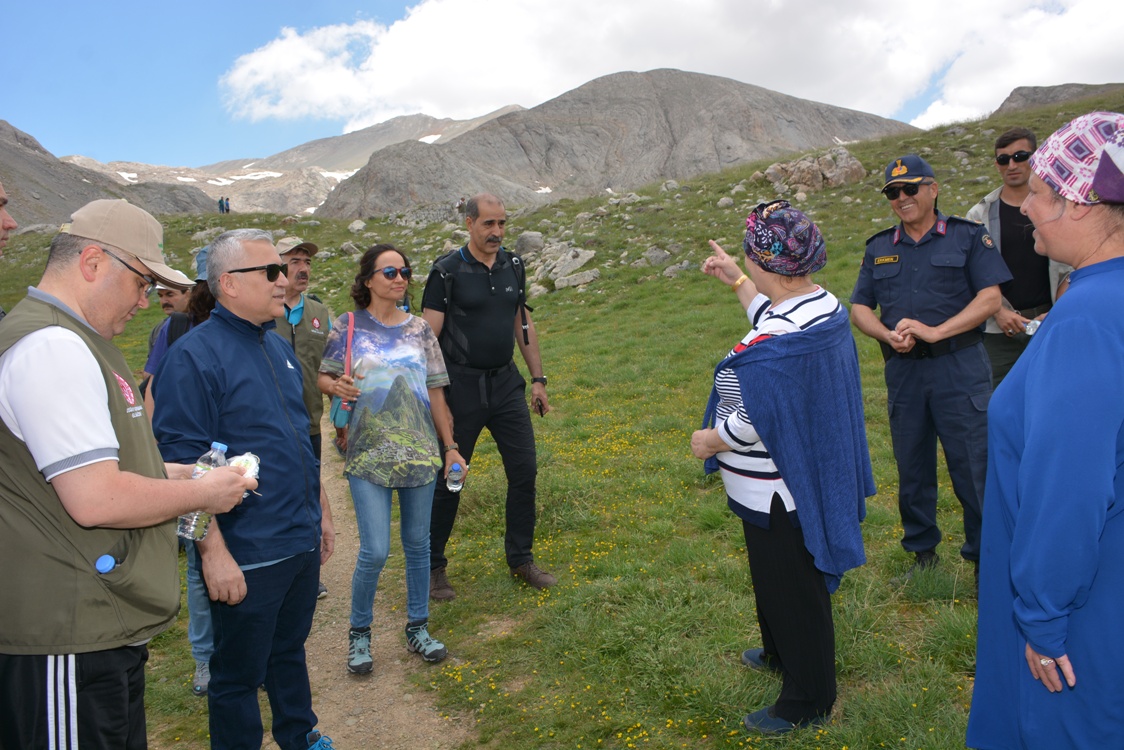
(539, 380)
(451, 447)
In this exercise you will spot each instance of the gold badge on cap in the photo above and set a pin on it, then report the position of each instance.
(899, 170)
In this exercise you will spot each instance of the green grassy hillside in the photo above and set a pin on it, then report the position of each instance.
(638, 646)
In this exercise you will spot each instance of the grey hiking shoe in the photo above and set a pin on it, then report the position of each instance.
(202, 678)
(359, 651)
(419, 641)
(440, 590)
(321, 591)
(534, 575)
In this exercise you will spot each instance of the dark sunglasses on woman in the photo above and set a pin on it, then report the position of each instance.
(272, 271)
(1019, 157)
(893, 191)
(390, 273)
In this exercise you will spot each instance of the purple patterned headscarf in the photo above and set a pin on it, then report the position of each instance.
(783, 240)
(1084, 160)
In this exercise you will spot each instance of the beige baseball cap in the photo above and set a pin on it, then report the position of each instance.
(290, 244)
(120, 224)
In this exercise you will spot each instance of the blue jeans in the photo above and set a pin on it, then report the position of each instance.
(372, 516)
(200, 631)
(260, 641)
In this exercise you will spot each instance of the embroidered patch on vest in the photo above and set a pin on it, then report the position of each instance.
(316, 323)
(126, 390)
(886, 259)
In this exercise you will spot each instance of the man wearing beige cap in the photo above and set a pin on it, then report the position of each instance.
(87, 516)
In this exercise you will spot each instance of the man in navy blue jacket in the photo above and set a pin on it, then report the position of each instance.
(227, 380)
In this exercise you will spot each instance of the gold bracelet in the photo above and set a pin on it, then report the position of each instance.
(740, 281)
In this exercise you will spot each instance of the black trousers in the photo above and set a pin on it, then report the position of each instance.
(93, 700)
(794, 613)
(496, 401)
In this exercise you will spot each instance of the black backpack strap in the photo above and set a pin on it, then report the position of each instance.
(178, 324)
(521, 283)
(454, 345)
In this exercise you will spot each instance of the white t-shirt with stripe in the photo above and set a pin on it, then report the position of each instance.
(747, 469)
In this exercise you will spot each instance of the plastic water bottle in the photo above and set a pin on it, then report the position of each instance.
(193, 525)
(1032, 326)
(455, 480)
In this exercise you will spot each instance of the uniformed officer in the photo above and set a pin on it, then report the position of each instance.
(936, 279)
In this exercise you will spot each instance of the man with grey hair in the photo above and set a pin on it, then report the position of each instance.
(7, 224)
(87, 514)
(228, 380)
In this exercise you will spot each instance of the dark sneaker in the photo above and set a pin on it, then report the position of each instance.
(440, 590)
(766, 721)
(419, 641)
(359, 651)
(756, 658)
(534, 575)
(317, 741)
(202, 678)
(321, 591)
(925, 560)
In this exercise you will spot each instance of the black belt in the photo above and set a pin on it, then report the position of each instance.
(925, 350)
(482, 376)
(1034, 312)
(478, 372)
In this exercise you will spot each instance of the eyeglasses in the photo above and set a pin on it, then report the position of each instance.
(1019, 157)
(150, 283)
(272, 271)
(891, 191)
(390, 273)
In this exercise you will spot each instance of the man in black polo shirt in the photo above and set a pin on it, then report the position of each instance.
(475, 301)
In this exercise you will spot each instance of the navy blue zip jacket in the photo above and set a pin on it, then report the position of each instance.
(226, 380)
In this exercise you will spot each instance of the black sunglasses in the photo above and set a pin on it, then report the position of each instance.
(1019, 157)
(893, 191)
(390, 273)
(272, 271)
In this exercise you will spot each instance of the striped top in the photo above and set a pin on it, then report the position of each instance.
(748, 470)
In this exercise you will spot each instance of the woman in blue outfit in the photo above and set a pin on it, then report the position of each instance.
(789, 438)
(1050, 653)
(396, 388)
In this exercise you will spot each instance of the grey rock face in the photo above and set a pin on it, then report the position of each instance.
(619, 131)
(579, 279)
(529, 242)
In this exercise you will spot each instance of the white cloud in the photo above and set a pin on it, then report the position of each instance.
(464, 58)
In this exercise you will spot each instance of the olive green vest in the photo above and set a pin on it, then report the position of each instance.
(308, 340)
(54, 600)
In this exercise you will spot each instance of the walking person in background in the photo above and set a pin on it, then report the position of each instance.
(1050, 651)
(474, 299)
(801, 499)
(1038, 281)
(399, 420)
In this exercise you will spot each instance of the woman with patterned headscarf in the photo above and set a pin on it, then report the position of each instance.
(1050, 652)
(785, 428)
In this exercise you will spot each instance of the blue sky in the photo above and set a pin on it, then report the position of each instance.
(188, 84)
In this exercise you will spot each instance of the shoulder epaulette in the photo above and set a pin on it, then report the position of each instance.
(963, 220)
(874, 236)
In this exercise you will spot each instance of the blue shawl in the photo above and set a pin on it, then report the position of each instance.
(804, 387)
